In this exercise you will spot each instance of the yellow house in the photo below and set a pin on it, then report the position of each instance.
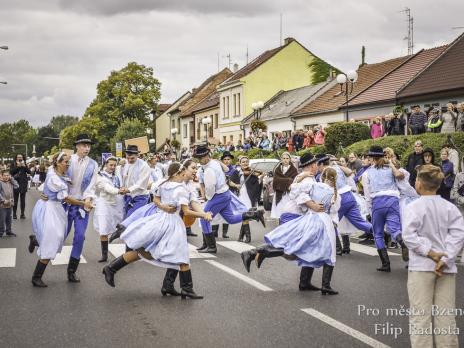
(282, 68)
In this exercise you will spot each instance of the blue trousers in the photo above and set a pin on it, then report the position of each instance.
(349, 209)
(131, 204)
(220, 204)
(80, 226)
(385, 211)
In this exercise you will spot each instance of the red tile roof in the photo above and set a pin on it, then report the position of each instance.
(202, 92)
(385, 89)
(163, 107)
(209, 102)
(367, 75)
(444, 74)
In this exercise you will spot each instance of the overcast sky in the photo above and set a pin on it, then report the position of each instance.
(60, 49)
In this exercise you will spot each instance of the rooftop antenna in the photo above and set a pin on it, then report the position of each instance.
(228, 57)
(280, 42)
(410, 36)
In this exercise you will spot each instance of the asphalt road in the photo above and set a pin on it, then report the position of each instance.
(261, 309)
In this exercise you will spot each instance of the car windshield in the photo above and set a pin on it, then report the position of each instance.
(265, 167)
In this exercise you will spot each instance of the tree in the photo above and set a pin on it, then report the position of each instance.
(321, 70)
(130, 93)
(20, 132)
(127, 130)
(60, 122)
(88, 125)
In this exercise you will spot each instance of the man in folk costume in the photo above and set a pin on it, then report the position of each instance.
(234, 186)
(83, 173)
(220, 199)
(349, 207)
(135, 179)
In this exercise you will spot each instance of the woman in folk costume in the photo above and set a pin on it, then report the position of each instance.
(283, 177)
(382, 196)
(309, 239)
(109, 209)
(50, 218)
(349, 208)
(160, 238)
(249, 193)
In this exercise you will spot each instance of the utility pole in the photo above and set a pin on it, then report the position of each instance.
(410, 36)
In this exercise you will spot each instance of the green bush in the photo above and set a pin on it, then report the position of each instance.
(404, 145)
(344, 134)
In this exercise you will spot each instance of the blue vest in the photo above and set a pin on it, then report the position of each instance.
(381, 180)
(88, 174)
(322, 193)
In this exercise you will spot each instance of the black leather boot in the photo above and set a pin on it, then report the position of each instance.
(189, 232)
(254, 214)
(37, 275)
(204, 245)
(211, 243)
(110, 270)
(385, 260)
(168, 283)
(104, 249)
(266, 251)
(215, 229)
(241, 234)
(338, 245)
(247, 233)
(346, 244)
(186, 285)
(247, 257)
(72, 268)
(404, 248)
(326, 278)
(128, 249)
(116, 234)
(305, 280)
(32, 243)
(225, 229)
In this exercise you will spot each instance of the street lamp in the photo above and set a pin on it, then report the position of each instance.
(346, 82)
(4, 47)
(4, 82)
(206, 121)
(174, 132)
(152, 142)
(257, 107)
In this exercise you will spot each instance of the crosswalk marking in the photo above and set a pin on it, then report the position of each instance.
(118, 249)
(238, 247)
(63, 257)
(367, 250)
(240, 276)
(7, 257)
(344, 328)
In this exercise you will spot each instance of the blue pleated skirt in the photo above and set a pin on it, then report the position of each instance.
(310, 237)
(142, 212)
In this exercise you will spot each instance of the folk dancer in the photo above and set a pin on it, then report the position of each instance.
(382, 197)
(50, 217)
(109, 207)
(220, 199)
(161, 238)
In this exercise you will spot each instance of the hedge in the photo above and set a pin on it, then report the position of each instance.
(404, 145)
(344, 134)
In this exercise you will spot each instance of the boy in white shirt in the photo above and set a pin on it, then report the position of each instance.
(433, 231)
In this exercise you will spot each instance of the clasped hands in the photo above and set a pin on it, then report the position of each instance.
(436, 257)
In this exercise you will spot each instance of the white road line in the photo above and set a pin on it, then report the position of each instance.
(240, 276)
(344, 328)
(194, 254)
(63, 257)
(7, 257)
(238, 247)
(367, 250)
(117, 249)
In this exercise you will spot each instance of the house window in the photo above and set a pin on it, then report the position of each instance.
(227, 107)
(216, 121)
(238, 105)
(173, 124)
(231, 138)
(224, 113)
(235, 104)
(185, 130)
(240, 137)
(224, 140)
(199, 130)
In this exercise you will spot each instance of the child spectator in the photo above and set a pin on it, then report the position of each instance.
(7, 185)
(434, 234)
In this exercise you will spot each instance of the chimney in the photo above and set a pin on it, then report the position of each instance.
(235, 68)
(288, 40)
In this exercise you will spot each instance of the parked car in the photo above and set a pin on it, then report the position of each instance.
(268, 191)
(265, 165)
